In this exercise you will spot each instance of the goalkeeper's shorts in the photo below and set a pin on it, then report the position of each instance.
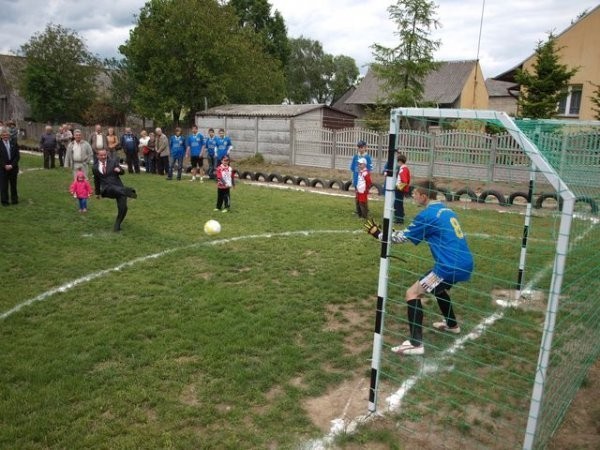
(434, 284)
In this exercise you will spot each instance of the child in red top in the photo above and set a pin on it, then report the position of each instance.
(362, 189)
(225, 181)
(81, 190)
(402, 189)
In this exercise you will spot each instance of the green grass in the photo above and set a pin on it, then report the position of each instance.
(217, 342)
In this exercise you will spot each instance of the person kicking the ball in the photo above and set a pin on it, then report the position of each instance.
(453, 263)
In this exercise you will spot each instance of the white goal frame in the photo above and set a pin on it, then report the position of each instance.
(538, 164)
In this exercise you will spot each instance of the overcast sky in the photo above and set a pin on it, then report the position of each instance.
(510, 28)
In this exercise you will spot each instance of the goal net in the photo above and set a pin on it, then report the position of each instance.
(526, 193)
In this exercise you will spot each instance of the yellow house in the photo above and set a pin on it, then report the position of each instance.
(578, 46)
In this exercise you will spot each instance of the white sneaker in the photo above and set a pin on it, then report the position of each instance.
(443, 326)
(201, 179)
(406, 348)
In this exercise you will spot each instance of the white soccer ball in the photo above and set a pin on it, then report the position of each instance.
(212, 227)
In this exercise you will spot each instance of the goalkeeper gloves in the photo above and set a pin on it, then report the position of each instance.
(372, 228)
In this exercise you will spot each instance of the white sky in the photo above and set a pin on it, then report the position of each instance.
(510, 31)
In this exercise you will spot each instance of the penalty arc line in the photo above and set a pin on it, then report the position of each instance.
(94, 275)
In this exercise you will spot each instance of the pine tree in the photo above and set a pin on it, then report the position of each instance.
(546, 86)
(596, 101)
(403, 68)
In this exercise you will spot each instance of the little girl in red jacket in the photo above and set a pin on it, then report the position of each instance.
(81, 190)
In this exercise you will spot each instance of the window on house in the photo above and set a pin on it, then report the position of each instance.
(571, 103)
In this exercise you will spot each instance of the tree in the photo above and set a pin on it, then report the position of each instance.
(596, 101)
(256, 15)
(122, 87)
(177, 59)
(403, 68)
(546, 86)
(345, 75)
(59, 77)
(314, 76)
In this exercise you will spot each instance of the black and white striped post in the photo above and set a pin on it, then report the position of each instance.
(528, 213)
(388, 212)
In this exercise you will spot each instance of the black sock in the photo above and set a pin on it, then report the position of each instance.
(443, 299)
(415, 321)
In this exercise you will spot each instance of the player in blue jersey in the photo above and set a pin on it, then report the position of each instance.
(194, 143)
(177, 146)
(453, 262)
(210, 143)
(223, 146)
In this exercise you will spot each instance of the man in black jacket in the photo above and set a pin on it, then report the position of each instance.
(48, 146)
(9, 168)
(108, 172)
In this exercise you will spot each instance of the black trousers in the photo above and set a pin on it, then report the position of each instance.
(8, 182)
(49, 162)
(223, 198)
(399, 207)
(120, 194)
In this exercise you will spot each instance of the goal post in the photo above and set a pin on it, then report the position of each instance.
(536, 165)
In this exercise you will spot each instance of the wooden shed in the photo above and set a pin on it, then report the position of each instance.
(270, 129)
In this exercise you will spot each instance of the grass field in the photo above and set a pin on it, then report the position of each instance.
(162, 337)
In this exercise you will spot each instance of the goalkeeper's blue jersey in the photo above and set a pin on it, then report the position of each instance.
(439, 227)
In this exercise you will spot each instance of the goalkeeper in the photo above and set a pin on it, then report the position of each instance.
(453, 262)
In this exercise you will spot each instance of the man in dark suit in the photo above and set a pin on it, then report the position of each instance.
(9, 168)
(108, 172)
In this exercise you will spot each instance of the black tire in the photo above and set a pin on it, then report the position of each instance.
(246, 175)
(275, 178)
(446, 193)
(289, 179)
(347, 185)
(539, 203)
(258, 175)
(492, 193)
(317, 182)
(514, 195)
(589, 201)
(300, 180)
(378, 187)
(331, 184)
(469, 192)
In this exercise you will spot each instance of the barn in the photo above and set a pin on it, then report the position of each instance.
(270, 129)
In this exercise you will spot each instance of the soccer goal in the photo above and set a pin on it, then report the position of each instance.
(526, 193)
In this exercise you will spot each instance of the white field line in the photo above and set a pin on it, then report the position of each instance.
(394, 402)
(94, 275)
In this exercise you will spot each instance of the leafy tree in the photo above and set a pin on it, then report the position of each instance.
(345, 75)
(256, 15)
(315, 76)
(59, 80)
(403, 68)
(183, 53)
(122, 87)
(542, 90)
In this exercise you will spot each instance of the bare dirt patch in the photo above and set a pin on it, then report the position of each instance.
(581, 427)
(345, 402)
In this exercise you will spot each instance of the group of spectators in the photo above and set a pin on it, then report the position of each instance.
(157, 152)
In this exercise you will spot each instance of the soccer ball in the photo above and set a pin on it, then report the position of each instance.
(212, 227)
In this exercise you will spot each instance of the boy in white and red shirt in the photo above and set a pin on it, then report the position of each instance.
(225, 182)
(363, 185)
